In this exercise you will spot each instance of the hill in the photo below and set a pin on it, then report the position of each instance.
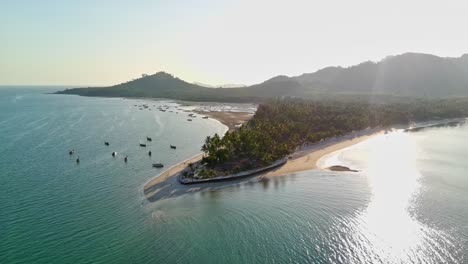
(406, 75)
(410, 74)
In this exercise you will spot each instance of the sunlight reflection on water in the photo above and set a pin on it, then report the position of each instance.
(386, 229)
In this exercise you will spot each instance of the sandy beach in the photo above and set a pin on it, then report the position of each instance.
(307, 157)
(166, 184)
(230, 119)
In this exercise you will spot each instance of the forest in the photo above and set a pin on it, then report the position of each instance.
(280, 126)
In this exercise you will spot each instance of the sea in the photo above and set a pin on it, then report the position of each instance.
(407, 204)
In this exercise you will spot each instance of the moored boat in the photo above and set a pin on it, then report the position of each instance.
(158, 165)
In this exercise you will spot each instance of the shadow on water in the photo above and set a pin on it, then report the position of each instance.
(171, 188)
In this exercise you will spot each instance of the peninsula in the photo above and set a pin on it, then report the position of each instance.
(301, 131)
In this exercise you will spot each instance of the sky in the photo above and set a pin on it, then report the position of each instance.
(105, 42)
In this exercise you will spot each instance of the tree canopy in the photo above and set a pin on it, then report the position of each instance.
(281, 125)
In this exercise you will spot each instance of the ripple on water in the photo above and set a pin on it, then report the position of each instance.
(55, 211)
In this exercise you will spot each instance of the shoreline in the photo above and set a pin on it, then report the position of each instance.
(230, 119)
(169, 176)
(166, 185)
(307, 157)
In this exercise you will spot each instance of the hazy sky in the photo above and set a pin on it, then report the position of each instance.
(106, 42)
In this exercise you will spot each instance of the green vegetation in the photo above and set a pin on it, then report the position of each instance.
(280, 126)
(402, 76)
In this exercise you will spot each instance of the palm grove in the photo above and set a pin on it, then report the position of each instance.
(280, 126)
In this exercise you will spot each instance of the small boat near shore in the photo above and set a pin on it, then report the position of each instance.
(189, 119)
(149, 139)
(173, 147)
(106, 143)
(158, 165)
(142, 145)
(114, 154)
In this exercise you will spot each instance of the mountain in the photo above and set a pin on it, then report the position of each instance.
(409, 74)
(161, 84)
(406, 75)
(274, 87)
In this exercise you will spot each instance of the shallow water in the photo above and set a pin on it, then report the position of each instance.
(408, 205)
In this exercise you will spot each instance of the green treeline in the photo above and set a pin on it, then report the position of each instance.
(281, 125)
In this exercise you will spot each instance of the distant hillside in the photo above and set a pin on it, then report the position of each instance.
(406, 75)
(410, 74)
(160, 84)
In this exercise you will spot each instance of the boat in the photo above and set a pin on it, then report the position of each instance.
(149, 153)
(114, 154)
(106, 143)
(149, 139)
(189, 119)
(158, 165)
(78, 160)
(71, 152)
(142, 145)
(205, 117)
(125, 159)
(173, 147)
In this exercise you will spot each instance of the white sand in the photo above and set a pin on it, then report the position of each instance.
(306, 158)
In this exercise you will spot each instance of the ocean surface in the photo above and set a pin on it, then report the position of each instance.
(408, 203)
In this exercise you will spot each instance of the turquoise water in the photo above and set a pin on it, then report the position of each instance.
(408, 205)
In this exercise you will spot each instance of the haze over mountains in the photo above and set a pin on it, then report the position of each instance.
(227, 85)
(406, 75)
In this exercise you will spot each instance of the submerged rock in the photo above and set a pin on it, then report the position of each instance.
(341, 168)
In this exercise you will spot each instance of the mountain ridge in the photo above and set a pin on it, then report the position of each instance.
(407, 75)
